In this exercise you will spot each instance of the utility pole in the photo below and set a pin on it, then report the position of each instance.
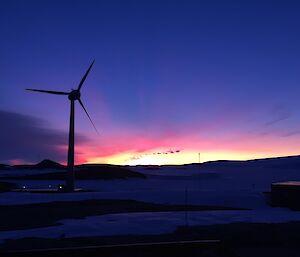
(186, 219)
(199, 156)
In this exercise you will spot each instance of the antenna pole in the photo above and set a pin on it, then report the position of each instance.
(70, 174)
(186, 219)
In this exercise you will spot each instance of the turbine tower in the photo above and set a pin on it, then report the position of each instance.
(73, 96)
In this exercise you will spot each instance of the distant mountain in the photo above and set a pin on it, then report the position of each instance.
(45, 164)
(48, 164)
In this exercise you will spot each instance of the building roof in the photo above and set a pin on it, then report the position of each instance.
(287, 183)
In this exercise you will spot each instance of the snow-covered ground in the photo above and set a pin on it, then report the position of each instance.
(229, 187)
(226, 199)
(232, 187)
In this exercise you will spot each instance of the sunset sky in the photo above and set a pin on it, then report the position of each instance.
(171, 79)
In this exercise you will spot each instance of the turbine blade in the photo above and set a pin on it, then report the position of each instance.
(85, 75)
(48, 91)
(81, 103)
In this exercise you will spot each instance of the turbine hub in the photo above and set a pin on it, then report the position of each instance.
(74, 95)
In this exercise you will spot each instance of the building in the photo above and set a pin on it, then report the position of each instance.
(286, 194)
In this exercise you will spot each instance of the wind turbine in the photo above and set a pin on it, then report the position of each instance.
(73, 96)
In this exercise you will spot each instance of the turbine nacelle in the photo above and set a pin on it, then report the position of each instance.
(74, 95)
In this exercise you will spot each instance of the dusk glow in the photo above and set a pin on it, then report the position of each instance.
(168, 82)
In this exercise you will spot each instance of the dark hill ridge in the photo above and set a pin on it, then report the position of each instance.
(287, 162)
(45, 164)
(104, 171)
(83, 171)
(87, 171)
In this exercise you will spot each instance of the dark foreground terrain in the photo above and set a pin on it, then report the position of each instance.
(49, 214)
(237, 239)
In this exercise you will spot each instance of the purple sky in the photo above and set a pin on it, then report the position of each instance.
(220, 77)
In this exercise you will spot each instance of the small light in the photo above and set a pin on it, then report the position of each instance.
(24, 187)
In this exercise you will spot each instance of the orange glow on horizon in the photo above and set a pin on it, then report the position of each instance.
(178, 149)
(177, 159)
